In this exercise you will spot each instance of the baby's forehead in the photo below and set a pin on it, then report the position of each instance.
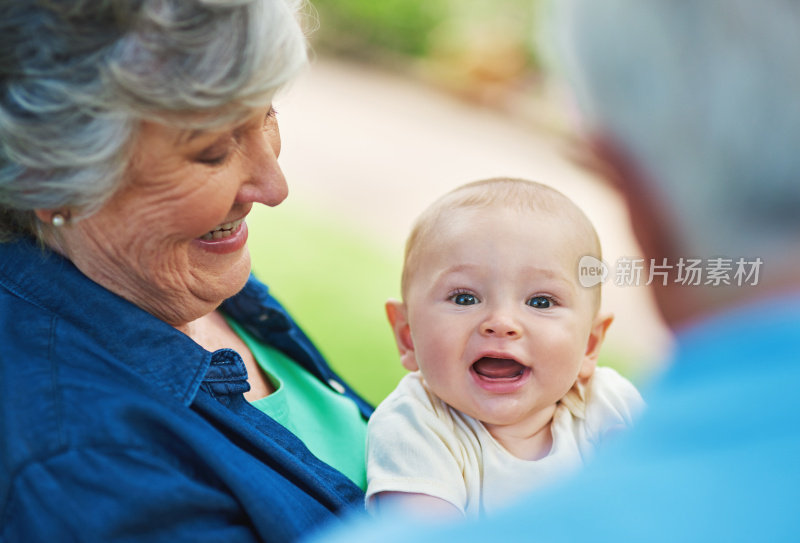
(475, 237)
(500, 198)
(565, 223)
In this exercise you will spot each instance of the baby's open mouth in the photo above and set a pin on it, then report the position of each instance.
(223, 230)
(498, 368)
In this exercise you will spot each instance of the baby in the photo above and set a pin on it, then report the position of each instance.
(502, 342)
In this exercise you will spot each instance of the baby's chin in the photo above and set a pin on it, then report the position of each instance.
(494, 411)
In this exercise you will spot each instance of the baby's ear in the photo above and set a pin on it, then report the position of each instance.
(398, 320)
(596, 336)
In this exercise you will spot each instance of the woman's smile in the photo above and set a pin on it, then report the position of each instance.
(223, 230)
(226, 238)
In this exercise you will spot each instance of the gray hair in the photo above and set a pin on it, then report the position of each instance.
(704, 94)
(77, 77)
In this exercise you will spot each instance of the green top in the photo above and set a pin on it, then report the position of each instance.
(327, 422)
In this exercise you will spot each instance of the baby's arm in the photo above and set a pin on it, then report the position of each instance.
(415, 461)
(415, 504)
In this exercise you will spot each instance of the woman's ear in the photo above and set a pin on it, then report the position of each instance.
(44, 215)
(398, 320)
(596, 336)
(53, 217)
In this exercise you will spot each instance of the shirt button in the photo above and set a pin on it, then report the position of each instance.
(336, 385)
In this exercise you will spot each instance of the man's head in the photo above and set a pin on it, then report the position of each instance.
(493, 313)
(693, 107)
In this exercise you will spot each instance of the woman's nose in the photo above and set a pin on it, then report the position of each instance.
(265, 182)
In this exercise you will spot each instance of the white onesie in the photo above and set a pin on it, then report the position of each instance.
(419, 444)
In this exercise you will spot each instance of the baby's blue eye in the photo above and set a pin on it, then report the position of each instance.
(464, 299)
(540, 302)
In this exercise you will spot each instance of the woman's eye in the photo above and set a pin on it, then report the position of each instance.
(540, 302)
(213, 159)
(215, 154)
(217, 151)
(464, 298)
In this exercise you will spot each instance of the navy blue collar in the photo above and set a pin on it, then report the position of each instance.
(168, 358)
(147, 345)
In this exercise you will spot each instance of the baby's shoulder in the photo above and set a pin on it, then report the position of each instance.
(411, 399)
(413, 418)
(612, 401)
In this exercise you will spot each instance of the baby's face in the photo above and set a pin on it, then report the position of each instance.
(498, 320)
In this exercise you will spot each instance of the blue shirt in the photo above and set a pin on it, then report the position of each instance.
(114, 426)
(716, 456)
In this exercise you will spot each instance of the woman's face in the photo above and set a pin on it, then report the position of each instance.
(172, 239)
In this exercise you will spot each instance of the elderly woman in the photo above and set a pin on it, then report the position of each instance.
(137, 356)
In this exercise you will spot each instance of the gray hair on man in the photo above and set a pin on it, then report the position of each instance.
(66, 134)
(713, 121)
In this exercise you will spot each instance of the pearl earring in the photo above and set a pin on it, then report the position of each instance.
(58, 220)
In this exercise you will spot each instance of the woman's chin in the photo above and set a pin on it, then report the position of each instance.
(218, 276)
(231, 280)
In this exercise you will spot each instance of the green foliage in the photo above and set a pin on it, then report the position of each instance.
(461, 39)
(370, 27)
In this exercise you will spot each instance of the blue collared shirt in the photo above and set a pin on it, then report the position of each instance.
(114, 426)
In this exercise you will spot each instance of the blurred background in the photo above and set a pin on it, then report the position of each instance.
(403, 101)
